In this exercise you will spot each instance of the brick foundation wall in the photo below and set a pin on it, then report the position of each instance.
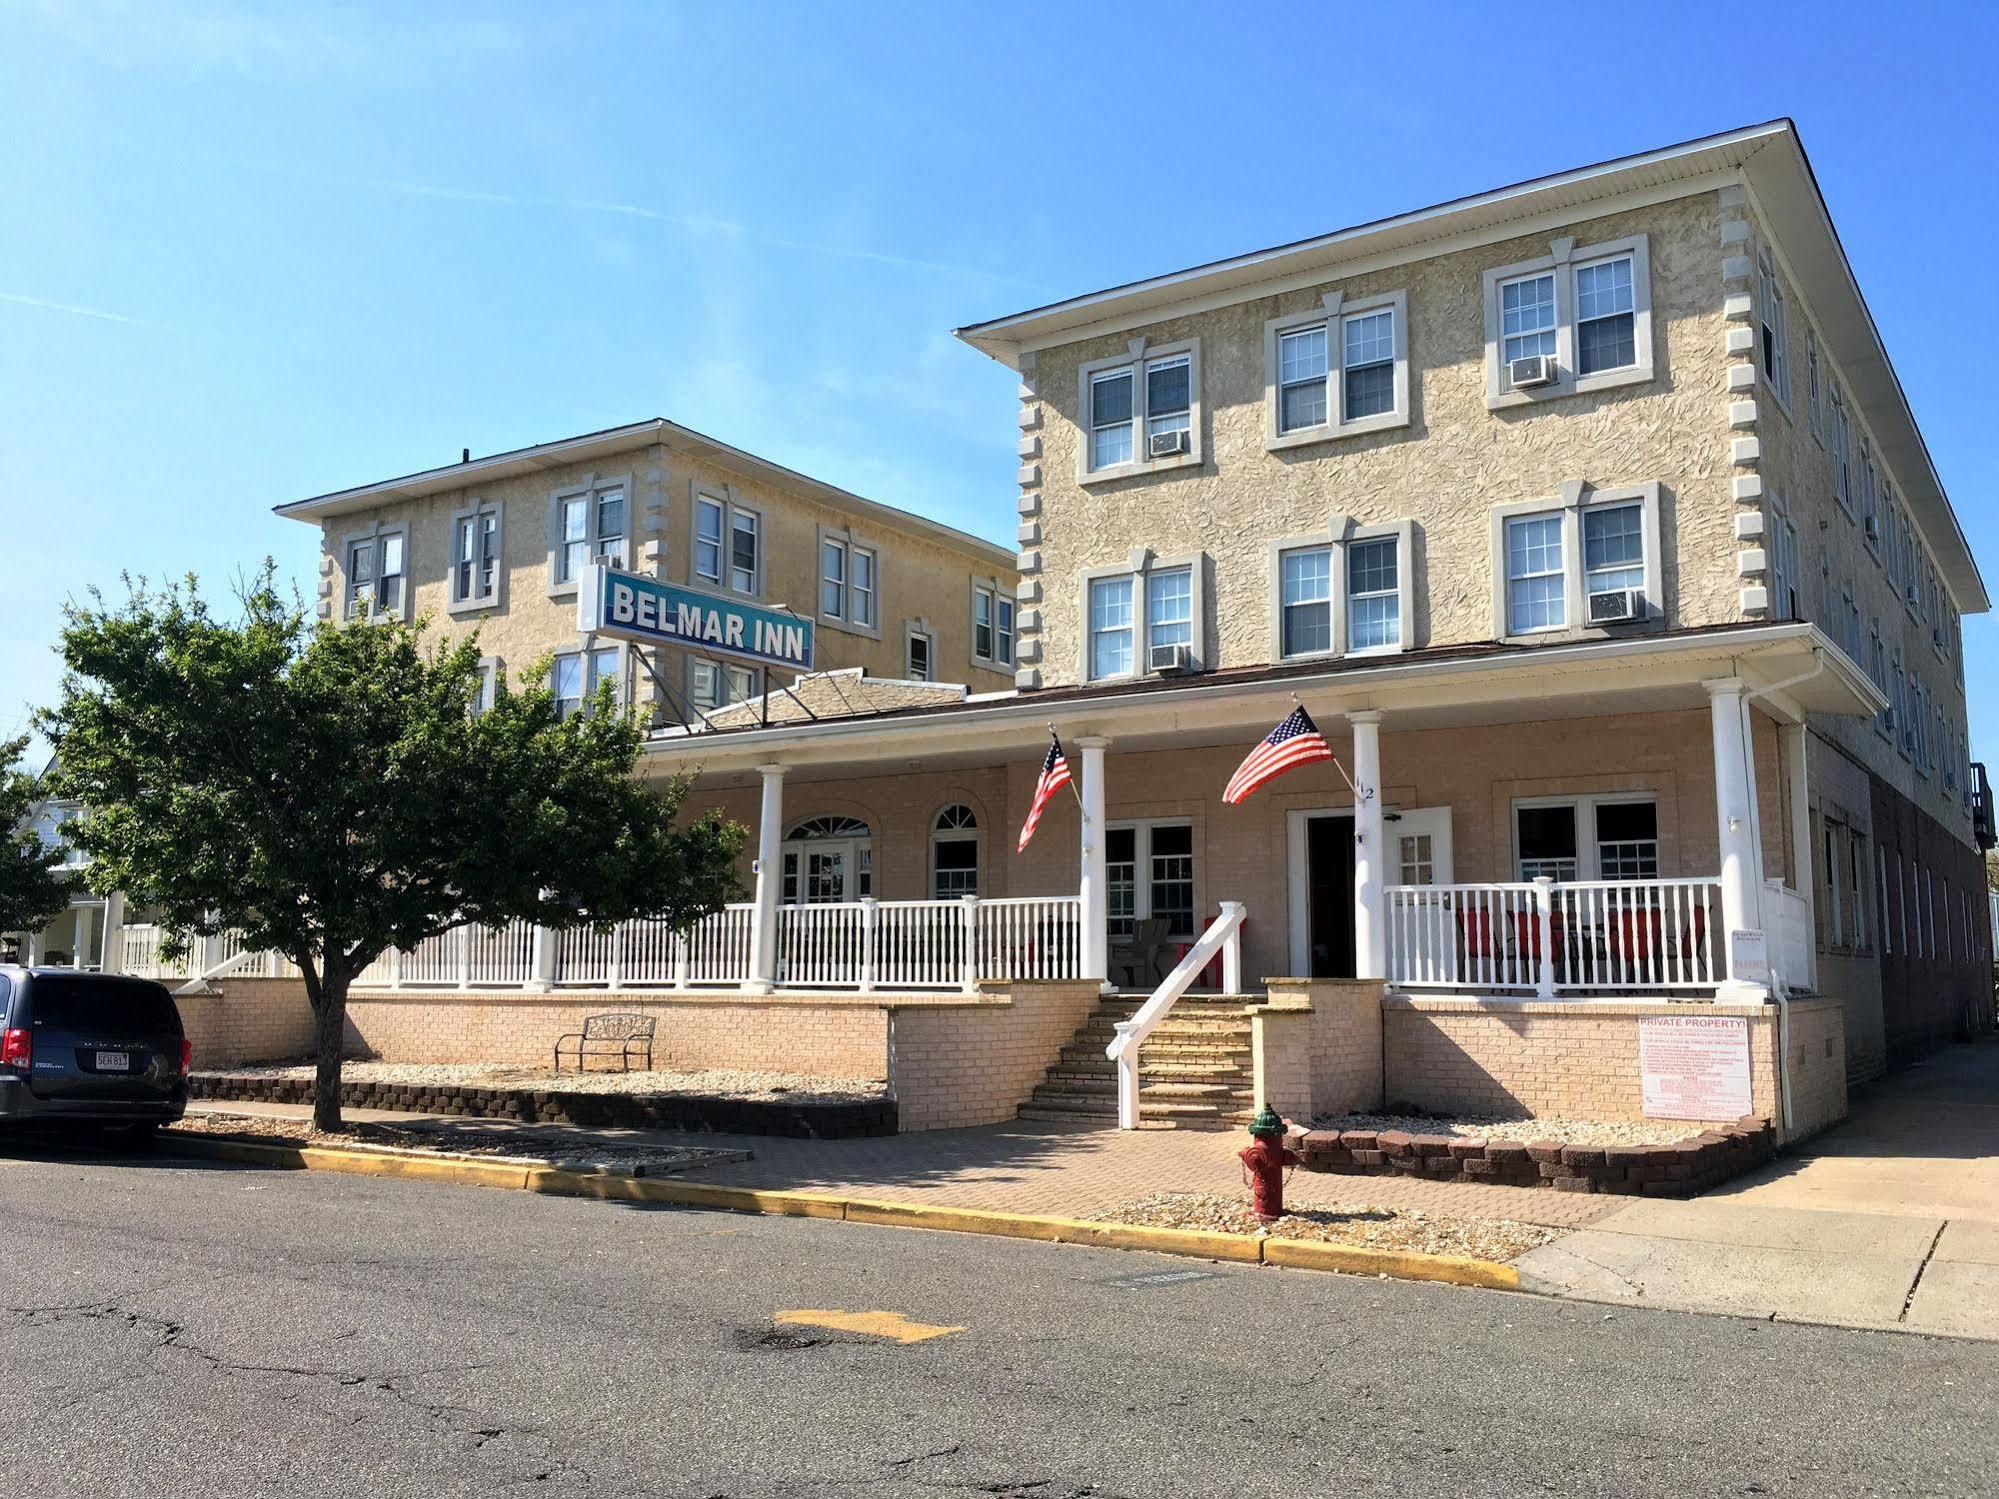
(825, 1035)
(1580, 1060)
(976, 1064)
(247, 1020)
(1317, 1046)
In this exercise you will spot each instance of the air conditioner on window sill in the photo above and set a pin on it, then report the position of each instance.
(1170, 660)
(1616, 606)
(1873, 528)
(1168, 444)
(1535, 369)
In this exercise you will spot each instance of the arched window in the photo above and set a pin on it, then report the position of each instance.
(827, 860)
(954, 854)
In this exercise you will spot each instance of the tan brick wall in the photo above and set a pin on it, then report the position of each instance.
(1580, 1061)
(784, 1033)
(921, 578)
(1445, 470)
(248, 1020)
(952, 1067)
(1342, 1041)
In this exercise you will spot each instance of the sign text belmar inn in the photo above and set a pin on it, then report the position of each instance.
(637, 607)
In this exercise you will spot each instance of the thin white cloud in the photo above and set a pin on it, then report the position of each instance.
(21, 299)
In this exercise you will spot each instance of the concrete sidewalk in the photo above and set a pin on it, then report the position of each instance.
(1890, 1220)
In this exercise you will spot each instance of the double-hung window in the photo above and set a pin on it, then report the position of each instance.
(1812, 383)
(1343, 370)
(1613, 549)
(1150, 875)
(1536, 578)
(992, 626)
(728, 545)
(590, 525)
(1773, 331)
(1842, 451)
(919, 656)
(1587, 312)
(1133, 407)
(1870, 515)
(1374, 599)
(1111, 636)
(576, 676)
(1169, 611)
(475, 556)
(377, 581)
(1783, 565)
(1586, 837)
(717, 684)
(849, 584)
(1305, 606)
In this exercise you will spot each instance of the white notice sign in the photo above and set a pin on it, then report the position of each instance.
(1694, 1066)
(1749, 958)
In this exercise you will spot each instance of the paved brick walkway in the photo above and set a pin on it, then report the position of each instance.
(1064, 1171)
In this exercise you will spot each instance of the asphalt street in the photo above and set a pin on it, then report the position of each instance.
(181, 1329)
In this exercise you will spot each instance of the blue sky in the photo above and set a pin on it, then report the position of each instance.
(253, 252)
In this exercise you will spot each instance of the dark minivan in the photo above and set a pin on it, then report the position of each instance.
(90, 1049)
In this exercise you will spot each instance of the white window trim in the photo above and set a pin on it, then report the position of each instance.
(1588, 859)
(1783, 547)
(997, 592)
(1576, 497)
(591, 486)
(374, 536)
(914, 630)
(1142, 829)
(1815, 382)
(1138, 353)
(1332, 314)
(1841, 448)
(1337, 537)
(851, 541)
(974, 835)
(724, 496)
(1770, 294)
(1566, 259)
(1139, 568)
(475, 603)
(488, 690)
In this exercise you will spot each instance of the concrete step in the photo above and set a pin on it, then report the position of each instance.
(1219, 1072)
(1090, 1087)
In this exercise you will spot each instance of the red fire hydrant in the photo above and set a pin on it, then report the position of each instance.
(1264, 1162)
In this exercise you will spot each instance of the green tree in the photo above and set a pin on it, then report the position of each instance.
(33, 891)
(332, 793)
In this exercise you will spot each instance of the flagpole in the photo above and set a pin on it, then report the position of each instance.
(1336, 766)
(1072, 778)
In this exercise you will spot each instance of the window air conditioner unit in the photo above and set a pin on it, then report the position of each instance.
(1617, 606)
(1170, 660)
(1914, 596)
(1167, 444)
(1535, 369)
(1873, 528)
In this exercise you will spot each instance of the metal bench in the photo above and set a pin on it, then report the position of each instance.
(613, 1035)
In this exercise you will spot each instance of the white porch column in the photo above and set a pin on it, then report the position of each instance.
(113, 953)
(1735, 810)
(1093, 883)
(1370, 856)
(770, 882)
(1791, 745)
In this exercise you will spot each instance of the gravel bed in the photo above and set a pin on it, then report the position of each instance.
(792, 1087)
(524, 1143)
(1521, 1130)
(1364, 1226)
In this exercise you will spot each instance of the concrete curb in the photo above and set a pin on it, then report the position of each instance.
(1296, 1254)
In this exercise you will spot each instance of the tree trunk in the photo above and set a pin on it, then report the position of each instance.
(329, 1017)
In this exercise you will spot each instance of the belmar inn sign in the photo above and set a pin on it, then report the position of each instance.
(650, 611)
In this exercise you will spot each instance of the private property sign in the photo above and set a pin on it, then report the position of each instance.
(1694, 1066)
(634, 606)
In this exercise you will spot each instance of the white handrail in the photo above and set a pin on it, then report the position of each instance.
(1224, 935)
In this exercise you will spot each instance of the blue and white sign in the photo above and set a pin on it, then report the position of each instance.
(634, 606)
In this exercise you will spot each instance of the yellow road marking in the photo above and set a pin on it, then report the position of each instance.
(891, 1325)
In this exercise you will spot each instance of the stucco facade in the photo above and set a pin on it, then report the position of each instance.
(1444, 471)
(926, 578)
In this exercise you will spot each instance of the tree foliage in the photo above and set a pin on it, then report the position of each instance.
(332, 793)
(34, 889)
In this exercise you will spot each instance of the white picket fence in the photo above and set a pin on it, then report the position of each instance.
(1550, 938)
(140, 944)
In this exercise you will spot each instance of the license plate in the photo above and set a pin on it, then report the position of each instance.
(114, 1061)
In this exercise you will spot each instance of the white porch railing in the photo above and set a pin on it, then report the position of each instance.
(1549, 938)
(863, 945)
(139, 949)
(1224, 936)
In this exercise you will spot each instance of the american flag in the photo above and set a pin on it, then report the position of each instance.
(1296, 741)
(1054, 776)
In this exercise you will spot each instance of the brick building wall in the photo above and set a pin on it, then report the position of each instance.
(248, 1020)
(962, 1065)
(1936, 958)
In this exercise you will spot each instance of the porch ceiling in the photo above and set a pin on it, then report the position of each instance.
(1798, 666)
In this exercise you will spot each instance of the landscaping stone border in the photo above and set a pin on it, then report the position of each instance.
(682, 1111)
(1682, 1169)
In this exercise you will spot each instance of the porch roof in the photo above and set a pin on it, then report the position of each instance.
(1794, 669)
